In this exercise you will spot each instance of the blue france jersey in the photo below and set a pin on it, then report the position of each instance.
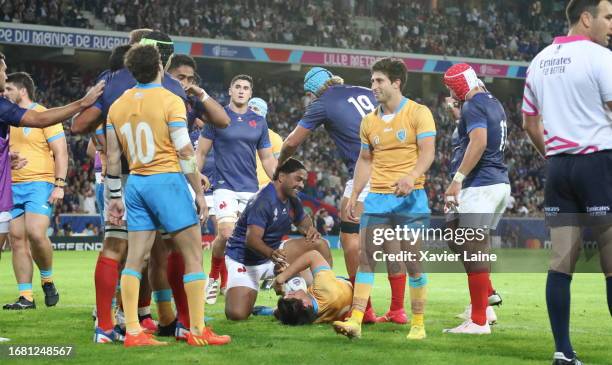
(10, 115)
(483, 111)
(341, 109)
(235, 147)
(267, 211)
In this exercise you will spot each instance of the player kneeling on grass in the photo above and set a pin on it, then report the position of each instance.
(327, 299)
(256, 244)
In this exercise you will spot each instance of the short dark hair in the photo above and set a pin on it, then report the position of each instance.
(179, 60)
(575, 8)
(393, 68)
(23, 80)
(242, 77)
(143, 62)
(115, 61)
(290, 166)
(291, 311)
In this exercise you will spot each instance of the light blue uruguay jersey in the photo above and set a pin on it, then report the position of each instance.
(235, 147)
(340, 109)
(483, 111)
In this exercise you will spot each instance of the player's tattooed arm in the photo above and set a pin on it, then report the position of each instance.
(307, 228)
(291, 144)
(268, 161)
(535, 130)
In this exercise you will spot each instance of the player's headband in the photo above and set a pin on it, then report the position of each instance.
(165, 48)
(315, 79)
(461, 79)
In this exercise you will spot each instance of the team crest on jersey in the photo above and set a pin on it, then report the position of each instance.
(401, 135)
(26, 131)
(376, 140)
(253, 123)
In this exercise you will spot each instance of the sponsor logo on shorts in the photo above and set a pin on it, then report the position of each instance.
(598, 210)
(551, 211)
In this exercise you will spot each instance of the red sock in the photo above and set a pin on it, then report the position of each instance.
(223, 274)
(490, 290)
(215, 267)
(175, 272)
(398, 288)
(369, 305)
(106, 277)
(478, 283)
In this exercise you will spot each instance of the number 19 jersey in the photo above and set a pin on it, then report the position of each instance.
(341, 109)
(141, 118)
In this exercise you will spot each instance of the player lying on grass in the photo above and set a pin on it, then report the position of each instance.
(327, 299)
(256, 244)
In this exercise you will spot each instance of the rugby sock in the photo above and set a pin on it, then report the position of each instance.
(176, 270)
(369, 305)
(479, 288)
(363, 287)
(25, 290)
(216, 264)
(130, 286)
(558, 303)
(490, 289)
(223, 274)
(144, 298)
(609, 290)
(46, 276)
(163, 300)
(194, 288)
(105, 278)
(418, 299)
(398, 290)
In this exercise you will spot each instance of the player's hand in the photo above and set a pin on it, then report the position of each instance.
(451, 196)
(405, 185)
(56, 195)
(453, 107)
(196, 91)
(278, 287)
(280, 267)
(17, 162)
(279, 256)
(312, 235)
(205, 182)
(202, 208)
(93, 94)
(351, 212)
(116, 211)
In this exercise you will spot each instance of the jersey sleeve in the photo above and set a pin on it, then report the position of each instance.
(315, 115)
(10, 113)
(530, 101)
(259, 215)
(176, 112)
(264, 138)
(54, 132)
(277, 143)
(209, 132)
(104, 75)
(603, 75)
(474, 117)
(363, 134)
(424, 124)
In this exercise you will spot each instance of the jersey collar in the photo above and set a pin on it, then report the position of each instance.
(315, 305)
(150, 85)
(32, 106)
(570, 38)
(402, 103)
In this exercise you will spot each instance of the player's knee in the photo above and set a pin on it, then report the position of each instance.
(236, 314)
(349, 227)
(225, 233)
(37, 237)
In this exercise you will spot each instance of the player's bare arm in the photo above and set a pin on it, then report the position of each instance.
(363, 170)
(307, 228)
(113, 177)
(59, 148)
(535, 130)
(204, 146)
(427, 152)
(291, 144)
(254, 241)
(473, 153)
(309, 260)
(86, 121)
(52, 116)
(267, 160)
(213, 111)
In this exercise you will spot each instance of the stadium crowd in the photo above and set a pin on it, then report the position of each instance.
(58, 84)
(510, 30)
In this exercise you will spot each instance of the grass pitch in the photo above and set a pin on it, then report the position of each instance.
(521, 337)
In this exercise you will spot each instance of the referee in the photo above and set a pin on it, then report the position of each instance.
(567, 113)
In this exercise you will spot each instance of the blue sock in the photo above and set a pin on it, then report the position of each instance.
(609, 289)
(558, 304)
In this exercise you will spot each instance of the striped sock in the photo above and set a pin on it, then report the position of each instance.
(25, 290)
(194, 288)
(418, 298)
(130, 286)
(46, 276)
(363, 287)
(163, 300)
